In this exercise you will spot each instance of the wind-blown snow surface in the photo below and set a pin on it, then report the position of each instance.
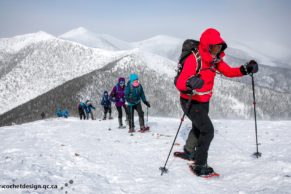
(97, 160)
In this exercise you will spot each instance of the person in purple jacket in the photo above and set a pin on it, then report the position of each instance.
(117, 96)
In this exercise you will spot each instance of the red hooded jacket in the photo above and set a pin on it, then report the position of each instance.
(208, 37)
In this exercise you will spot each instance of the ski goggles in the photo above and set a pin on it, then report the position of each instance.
(215, 49)
(121, 83)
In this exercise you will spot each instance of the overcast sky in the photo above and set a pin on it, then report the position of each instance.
(260, 22)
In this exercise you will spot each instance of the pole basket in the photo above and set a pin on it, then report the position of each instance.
(257, 154)
(163, 170)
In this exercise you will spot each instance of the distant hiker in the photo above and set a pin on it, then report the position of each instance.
(59, 112)
(133, 95)
(82, 109)
(106, 103)
(42, 115)
(117, 96)
(66, 113)
(197, 76)
(88, 109)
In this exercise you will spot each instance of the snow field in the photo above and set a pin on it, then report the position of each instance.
(97, 160)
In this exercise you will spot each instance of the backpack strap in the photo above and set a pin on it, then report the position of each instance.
(198, 70)
(198, 61)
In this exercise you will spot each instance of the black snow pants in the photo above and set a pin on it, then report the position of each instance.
(202, 131)
(82, 113)
(119, 110)
(107, 109)
(140, 113)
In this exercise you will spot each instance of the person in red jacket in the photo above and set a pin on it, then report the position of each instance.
(211, 49)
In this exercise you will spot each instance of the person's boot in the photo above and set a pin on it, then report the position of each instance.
(144, 129)
(186, 155)
(131, 130)
(110, 117)
(104, 118)
(202, 170)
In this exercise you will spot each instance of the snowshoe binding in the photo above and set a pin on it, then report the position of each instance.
(185, 155)
(203, 171)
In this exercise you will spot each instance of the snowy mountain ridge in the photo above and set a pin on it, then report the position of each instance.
(271, 74)
(55, 62)
(83, 36)
(170, 47)
(16, 43)
(231, 99)
(45, 65)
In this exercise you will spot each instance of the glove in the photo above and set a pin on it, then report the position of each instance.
(147, 104)
(194, 82)
(250, 67)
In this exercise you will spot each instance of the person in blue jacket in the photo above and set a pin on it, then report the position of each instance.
(134, 94)
(66, 113)
(59, 112)
(88, 109)
(106, 103)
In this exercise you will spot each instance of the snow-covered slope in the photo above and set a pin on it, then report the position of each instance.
(83, 36)
(230, 100)
(42, 66)
(85, 157)
(16, 43)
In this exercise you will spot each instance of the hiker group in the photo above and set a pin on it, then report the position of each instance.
(85, 110)
(126, 97)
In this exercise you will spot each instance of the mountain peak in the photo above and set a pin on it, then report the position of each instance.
(161, 38)
(76, 32)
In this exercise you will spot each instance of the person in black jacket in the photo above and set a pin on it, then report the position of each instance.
(106, 103)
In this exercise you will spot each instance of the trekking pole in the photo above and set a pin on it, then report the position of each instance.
(132, 117)
(109, 119)
(147, 115)
(164, 169)
(257, 153)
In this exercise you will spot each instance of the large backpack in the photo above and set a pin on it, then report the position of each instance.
(189, 47)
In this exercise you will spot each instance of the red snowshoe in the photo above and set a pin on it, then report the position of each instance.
(144, 129)
(203, 171)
